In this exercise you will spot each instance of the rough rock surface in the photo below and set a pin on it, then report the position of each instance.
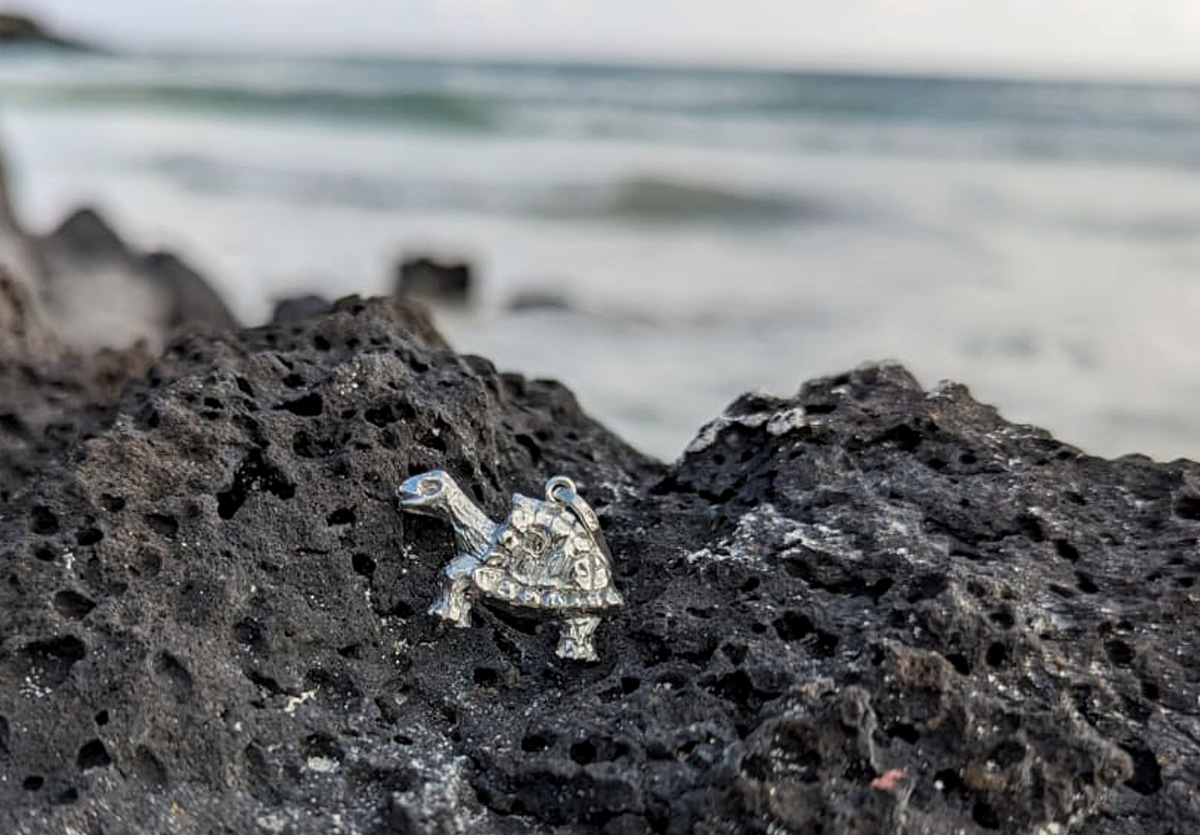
(51, 396)
(867, 608)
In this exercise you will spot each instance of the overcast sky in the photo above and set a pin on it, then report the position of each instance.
(1106, 37)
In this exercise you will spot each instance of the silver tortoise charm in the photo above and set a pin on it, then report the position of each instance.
(548, 554)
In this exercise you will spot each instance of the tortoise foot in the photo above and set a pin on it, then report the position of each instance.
(575, 640)
(455, 612)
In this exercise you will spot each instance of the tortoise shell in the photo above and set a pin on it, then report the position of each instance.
(543, 556)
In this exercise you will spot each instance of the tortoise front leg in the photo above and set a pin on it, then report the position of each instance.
(454, 601)
(575, 639)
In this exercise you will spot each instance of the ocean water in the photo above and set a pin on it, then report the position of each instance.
(713, 231)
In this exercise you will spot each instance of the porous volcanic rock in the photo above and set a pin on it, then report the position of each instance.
(51, 396)
(867, 608)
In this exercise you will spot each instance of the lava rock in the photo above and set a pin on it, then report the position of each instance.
(434, 281)
(865, 608)
(53, 396)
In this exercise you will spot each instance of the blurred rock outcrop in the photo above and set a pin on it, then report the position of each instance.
(434, 281)
(24, 30)
(95, 291)
(867, 608)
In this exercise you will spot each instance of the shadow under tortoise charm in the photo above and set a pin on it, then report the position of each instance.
(548, 554)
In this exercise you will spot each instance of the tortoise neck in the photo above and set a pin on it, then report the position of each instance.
(473, 530)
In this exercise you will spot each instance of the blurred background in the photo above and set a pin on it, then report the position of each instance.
(665, 204)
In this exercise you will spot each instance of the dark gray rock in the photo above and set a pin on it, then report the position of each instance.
(538, 299)
(192, 301)
(434, 281)
(867, 608)
(97, 291)
(50, 395)
(19, 29)
(84, 235)
(301, 307)
(94, 291)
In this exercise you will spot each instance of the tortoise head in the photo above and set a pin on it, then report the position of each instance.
(425, 493)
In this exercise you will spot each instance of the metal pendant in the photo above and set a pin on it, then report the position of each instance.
(548, 554)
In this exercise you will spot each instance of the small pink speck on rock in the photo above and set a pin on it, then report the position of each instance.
(888, 779)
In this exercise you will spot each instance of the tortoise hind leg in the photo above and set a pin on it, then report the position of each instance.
(575, 639)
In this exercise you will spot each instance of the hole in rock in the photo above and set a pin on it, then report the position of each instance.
(1119, 652)
(341, 516)
(927, 587)
(148, 769)
(44, 554)
(1066, 550)
(997, 654)
(1008, 754)
(101, 718)
(959, 662)
(42, 521)
(310, 405)
(629, 684)
(984, 815)
(1147, 774)
(826, 644)
(174, 675)
(531, 446)
(434, 442)
(583, 752)
(535, 743)
(1085, 584)
(947, 780)
(1150, 690)
(751, 584)
(904, 731)
(380, 416)
(1188, 507)
(89, 536)
(111, 503)
(793, 626)
(363, 564)
(486, 677)
(51, 661)
(1003, 618)
(322, 745)
(32, 783)
(162, 524)
(254, 473)
(93, 754)
(72, 604)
